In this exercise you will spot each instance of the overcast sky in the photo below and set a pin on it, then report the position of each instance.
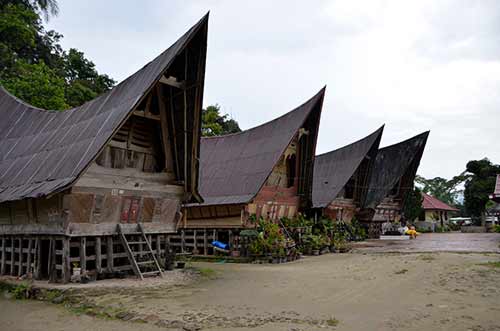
(413, 65)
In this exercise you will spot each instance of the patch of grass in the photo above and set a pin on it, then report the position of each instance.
(332, 321)
(491, 264)
(207, 272)
(400, 272)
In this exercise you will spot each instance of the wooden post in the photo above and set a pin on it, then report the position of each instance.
(66, 270)
(2, 263)
(205, 242)
(182, 241)
(51, 260)
(195, 248)
(158, 246)
(83, 253)
(109, 253)
(231, 245)
(12, 256)
(28, 264)
(20, 268)
(98, 255)
(38, 259)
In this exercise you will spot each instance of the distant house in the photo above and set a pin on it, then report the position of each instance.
(392, 179)
(435, 212)
(496, 194)
(266, 171)
(341, 178)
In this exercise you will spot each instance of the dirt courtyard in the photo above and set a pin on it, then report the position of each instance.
(364, 290)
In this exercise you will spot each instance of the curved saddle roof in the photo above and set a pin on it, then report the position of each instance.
(44, 151)
(333, 170)
(391, 164)
(234, 167)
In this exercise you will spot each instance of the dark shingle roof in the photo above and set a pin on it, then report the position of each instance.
(391, 164)
(234, 167)
(333, 170)
(42, 151)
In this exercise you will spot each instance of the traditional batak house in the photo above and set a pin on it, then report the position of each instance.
(265, 171)
(392, 178)
(76, 184)
(341, 178)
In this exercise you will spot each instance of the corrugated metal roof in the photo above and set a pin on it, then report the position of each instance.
(234, 167)
(43, 151)
(432, 203)
(333, 170)
(391, 164)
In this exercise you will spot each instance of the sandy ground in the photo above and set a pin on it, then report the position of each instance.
(362, 291)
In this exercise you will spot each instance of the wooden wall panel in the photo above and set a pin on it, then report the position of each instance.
(148, 209)
(5, 213)
(80, 208)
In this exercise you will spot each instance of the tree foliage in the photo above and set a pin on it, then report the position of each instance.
(29, 53)
(443, 189)
(479, 185)
(215, 124)
(413, 205)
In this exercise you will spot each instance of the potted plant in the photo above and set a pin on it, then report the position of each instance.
(77, 271)
(315, 244)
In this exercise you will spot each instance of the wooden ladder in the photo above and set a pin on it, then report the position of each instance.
(142, 267)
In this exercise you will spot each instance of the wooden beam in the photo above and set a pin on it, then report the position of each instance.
(172, 81)
(167, 142)
(186, 151)
(146, 115)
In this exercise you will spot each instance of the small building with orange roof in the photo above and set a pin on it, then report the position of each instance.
(435, 212)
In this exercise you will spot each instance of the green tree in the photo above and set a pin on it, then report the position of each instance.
(445, 190)
(83, 81)
(215, 124)
(479, 185)
(25, 46)
(45, 7)
(413, 205)
(37, 85)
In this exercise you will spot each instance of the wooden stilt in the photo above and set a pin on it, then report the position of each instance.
(38, 259)
(2, 263)
(83, 253)
(51, 260)
(109, 253)
(231, 244)
(195, 248)
(205, 242)
(12, 256)
(65, 270)
(98, 255)
(158, 245)
(20, 260)
(29, 258)
(183, 241)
